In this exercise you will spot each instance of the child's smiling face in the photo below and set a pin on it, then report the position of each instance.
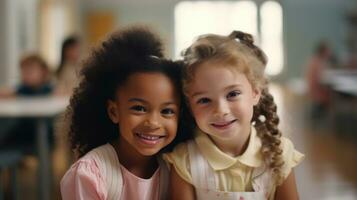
(222, 100)
(147, 111)
(33, 74)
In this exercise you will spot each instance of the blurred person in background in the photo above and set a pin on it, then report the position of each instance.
(35, 78)
(317, 92)
(352, 62)
(35, 81)
(68, 69)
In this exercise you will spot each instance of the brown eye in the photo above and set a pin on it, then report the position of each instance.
(233, 94)
(203, 101)
(138, 108)
(167, 111)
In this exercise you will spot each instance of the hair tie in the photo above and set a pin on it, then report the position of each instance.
(154, 57)
(247, 39)
(243, 37)
(262, 118)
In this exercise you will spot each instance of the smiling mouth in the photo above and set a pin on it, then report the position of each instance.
(223, 125)
(149, 139)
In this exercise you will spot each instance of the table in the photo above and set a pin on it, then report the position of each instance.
(344, 81)
(39, 108)
(343, 97)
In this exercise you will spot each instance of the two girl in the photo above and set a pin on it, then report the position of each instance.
(128, 108)
(238, 151)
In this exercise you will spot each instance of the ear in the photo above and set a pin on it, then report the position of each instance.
(256, 95)
(112, 110)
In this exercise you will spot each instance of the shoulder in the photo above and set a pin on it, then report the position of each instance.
(84, 167)
(289, 148)
(290, 155)
(179, 156)
(179, 159)
(89, 166)
(179, 150)
(86, 178)
(83, 178)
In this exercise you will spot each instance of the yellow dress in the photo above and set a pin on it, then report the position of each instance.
(232, 174)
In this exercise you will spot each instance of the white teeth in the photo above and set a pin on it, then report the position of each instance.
(148, 137)
(223, 123)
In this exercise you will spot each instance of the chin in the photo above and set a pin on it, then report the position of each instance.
(149, 152)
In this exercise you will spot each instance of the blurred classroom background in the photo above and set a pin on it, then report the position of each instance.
(312, 50)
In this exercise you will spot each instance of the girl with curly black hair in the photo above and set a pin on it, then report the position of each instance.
(125, 111)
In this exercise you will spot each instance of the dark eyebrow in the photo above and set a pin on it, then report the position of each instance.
(169, 103)
(232, 86)
(138, 100)
(197, 94)
(226, 88)
(145, 102)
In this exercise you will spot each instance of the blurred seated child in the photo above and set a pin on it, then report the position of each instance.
(35, 77)
(35, 81)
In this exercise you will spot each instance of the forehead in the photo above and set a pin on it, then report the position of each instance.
(215, 76)
(31, 65)
(149, 85)
(216, 69)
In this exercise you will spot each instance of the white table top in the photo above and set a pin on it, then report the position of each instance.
(341, 80)
(33, 106)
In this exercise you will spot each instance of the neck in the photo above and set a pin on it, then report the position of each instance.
(138, 164)
(234, 146)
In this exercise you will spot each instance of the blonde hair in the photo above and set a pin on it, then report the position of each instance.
(238, 52)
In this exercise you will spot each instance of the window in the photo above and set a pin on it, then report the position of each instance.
(272, 35)
(193, 18)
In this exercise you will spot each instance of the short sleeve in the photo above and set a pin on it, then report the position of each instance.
(83, 181)
(291, 156)
(179, 159)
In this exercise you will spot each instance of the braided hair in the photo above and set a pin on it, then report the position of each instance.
(237, 50)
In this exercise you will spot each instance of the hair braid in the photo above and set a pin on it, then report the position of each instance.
(267, 130)
(248, 40)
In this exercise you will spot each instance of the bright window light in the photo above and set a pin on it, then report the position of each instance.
(272, 36)
(194, 18)
(221, 17)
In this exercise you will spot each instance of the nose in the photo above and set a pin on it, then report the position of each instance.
(221, 108)
(152, 122)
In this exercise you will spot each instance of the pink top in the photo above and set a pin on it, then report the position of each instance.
(84, 180)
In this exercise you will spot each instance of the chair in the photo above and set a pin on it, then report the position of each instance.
(9, 158)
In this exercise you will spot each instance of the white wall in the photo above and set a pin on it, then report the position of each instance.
(305, 23)
(3, 71)
(308, 21)
(17, 36)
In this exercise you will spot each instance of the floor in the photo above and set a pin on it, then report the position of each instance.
(328, 172)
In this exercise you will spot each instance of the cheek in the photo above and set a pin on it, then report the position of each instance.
(200, 114)
(127, 121)
(195, 109)
(171, 128)
(172, 125)
(244, 110)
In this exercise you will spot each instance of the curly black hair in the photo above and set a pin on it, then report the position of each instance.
(132, 50)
